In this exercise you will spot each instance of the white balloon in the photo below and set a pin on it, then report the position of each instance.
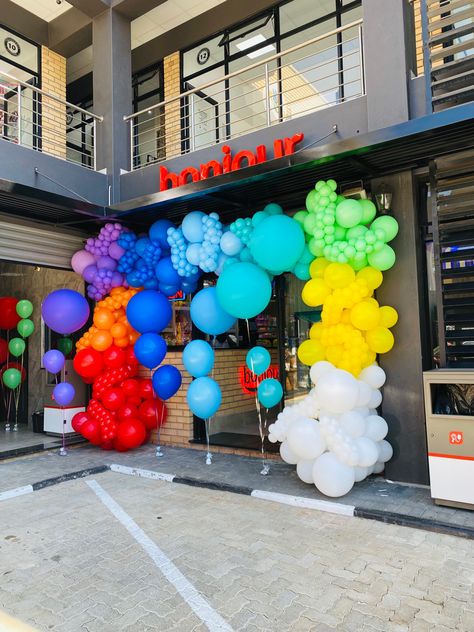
(376, 428)
(368, 451)
(365, 393)
(373, 375)
(337, 391)
(318, 369)
(304, 469)
(362, 410)
(385, 451)
(287, 455)
(305, 439)
(360, 473)
(353, 424)
(378, 467)
(331, 477)
(375, 399)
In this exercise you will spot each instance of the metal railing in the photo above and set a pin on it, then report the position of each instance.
(44, 122)
(316, 74)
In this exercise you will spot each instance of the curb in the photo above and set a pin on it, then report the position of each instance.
(286, 499)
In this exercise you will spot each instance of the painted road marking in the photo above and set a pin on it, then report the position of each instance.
(305, 503)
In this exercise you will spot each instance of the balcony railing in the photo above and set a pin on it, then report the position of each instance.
(44, 122)
(321, 72)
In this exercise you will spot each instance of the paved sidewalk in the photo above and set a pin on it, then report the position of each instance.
(373, 498)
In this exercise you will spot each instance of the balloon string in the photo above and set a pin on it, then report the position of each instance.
(261, 428)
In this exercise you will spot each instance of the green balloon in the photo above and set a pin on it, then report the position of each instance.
(388, 224)
(24, 308)
(12, 378)
(300, 216)
(348, 213)
(25, 327)
(382, 259)
(65, 345)
(368, 211)
(16, 346)
(312, 201)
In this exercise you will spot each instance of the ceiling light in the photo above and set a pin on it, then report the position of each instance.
(253, 41)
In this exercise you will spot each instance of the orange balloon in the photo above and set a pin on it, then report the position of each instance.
(101, 340)
(119, 330)
(121, 342)
(133, 336)
(103, 318)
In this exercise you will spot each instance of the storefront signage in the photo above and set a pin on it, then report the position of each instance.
(245, 158)
(249, 381)
(456, 437)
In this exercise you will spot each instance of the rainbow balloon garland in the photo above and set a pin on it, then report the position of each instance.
(336, 245)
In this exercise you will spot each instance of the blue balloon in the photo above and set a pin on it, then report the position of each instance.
(258, 360)
(193, 227)
(189, 288)
(166, 381)
(277, 242)
(244, 290)
(207, 313)
(141, 245)
(169, 290)
(198, 358)
(204, 397)
(63, 393)
(149, 311)
(133, 279)
(193, 254)
(150, 349)
(151, 284)
(159, 232)
(166, 272)
(230, 244)
(269, 392)
(65, 311)
(53, 361)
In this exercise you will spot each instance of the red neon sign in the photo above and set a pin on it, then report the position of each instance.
(244, 158)
(249, 381)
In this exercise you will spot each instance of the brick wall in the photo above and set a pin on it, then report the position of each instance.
(53, 114)
(172, 112)
(418, 36)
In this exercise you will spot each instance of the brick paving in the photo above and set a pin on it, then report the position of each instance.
(67, 564)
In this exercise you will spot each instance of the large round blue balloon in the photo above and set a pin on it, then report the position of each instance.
(269, 392)
(166, 273)
(277, 242)
(204, 397)
(63, 393)
(198, 358)
(207, 313)
(159, 232)
(150, 349)
(65, 311)
(148, 311)
(166, 381)
(258, 360)
(53, 361)
(244, 290)
(192, 227)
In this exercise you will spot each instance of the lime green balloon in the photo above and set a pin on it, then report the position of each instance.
(348, 213)
(24, 308)
(12, 378)
(309, 223)
(382, 259)
(312, 201)
(356, 232)
(368, 211)
(65, 345)
(388, 224)
(300, 216)
(316, 247)
(25, 327)
(340, 233)
(16, 346)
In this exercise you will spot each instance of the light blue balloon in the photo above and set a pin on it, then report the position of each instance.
(230, 244)
(198, 358)
(193, 254)
(277, 243)
(258, 360)
(207, 313)
(244, 290)
(193, 227)
(269, 392)
(204, 397)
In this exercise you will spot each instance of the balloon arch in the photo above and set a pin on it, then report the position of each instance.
(337, 245)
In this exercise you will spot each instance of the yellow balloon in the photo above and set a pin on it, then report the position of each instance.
(371, 276)
(380, 339)
(334, 354)
(314, 292)
(311, 351)
(388, 316)
(316, 331)
(338, 275)
(317, 267)
(365, 315)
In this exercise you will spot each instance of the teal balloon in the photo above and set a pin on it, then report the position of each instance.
(382, 259)
(258, 360)
(301, 271)
(277, 243)
(269, 392)
(244, 289)
(198, 358)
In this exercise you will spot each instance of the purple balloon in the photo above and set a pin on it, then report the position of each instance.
(115, 251)
(65, 311)
(106, 263)
(80, 260)
(89, 273)
(53, 361)
(117, 279)
(63, 393)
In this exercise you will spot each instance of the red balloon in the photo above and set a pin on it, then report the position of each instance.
(135, 400)
(3, 350)
(127, 411)
(113, 398)
(152, 413)
(130, 357)
(130, 387)
(88, 363)
(118, 446)
(107, 445)
(13, 365)
(114, 357)
(91, 431)
(79, 420)
(146, 389)
(147, 437)
(131, 433)
(9, 319)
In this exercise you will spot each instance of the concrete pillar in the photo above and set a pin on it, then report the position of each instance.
(389, 55)
(112, 85)
(402, 405)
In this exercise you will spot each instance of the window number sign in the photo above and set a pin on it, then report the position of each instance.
(203, 56)
(12, 46)
(456, 437)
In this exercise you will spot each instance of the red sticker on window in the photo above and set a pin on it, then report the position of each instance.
(456, 437)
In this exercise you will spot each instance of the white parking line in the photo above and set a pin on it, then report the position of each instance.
(191, 596)
(136, 471)
(18, 491)
(305, 503)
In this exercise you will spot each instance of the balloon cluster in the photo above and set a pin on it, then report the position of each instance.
(14, 314)
(269, 390)
(204, 394)
(97, 263)
(334, 436)
(354, 327)
(344, 230)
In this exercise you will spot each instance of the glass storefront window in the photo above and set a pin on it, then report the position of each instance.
(299, 13)
(202, 57)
